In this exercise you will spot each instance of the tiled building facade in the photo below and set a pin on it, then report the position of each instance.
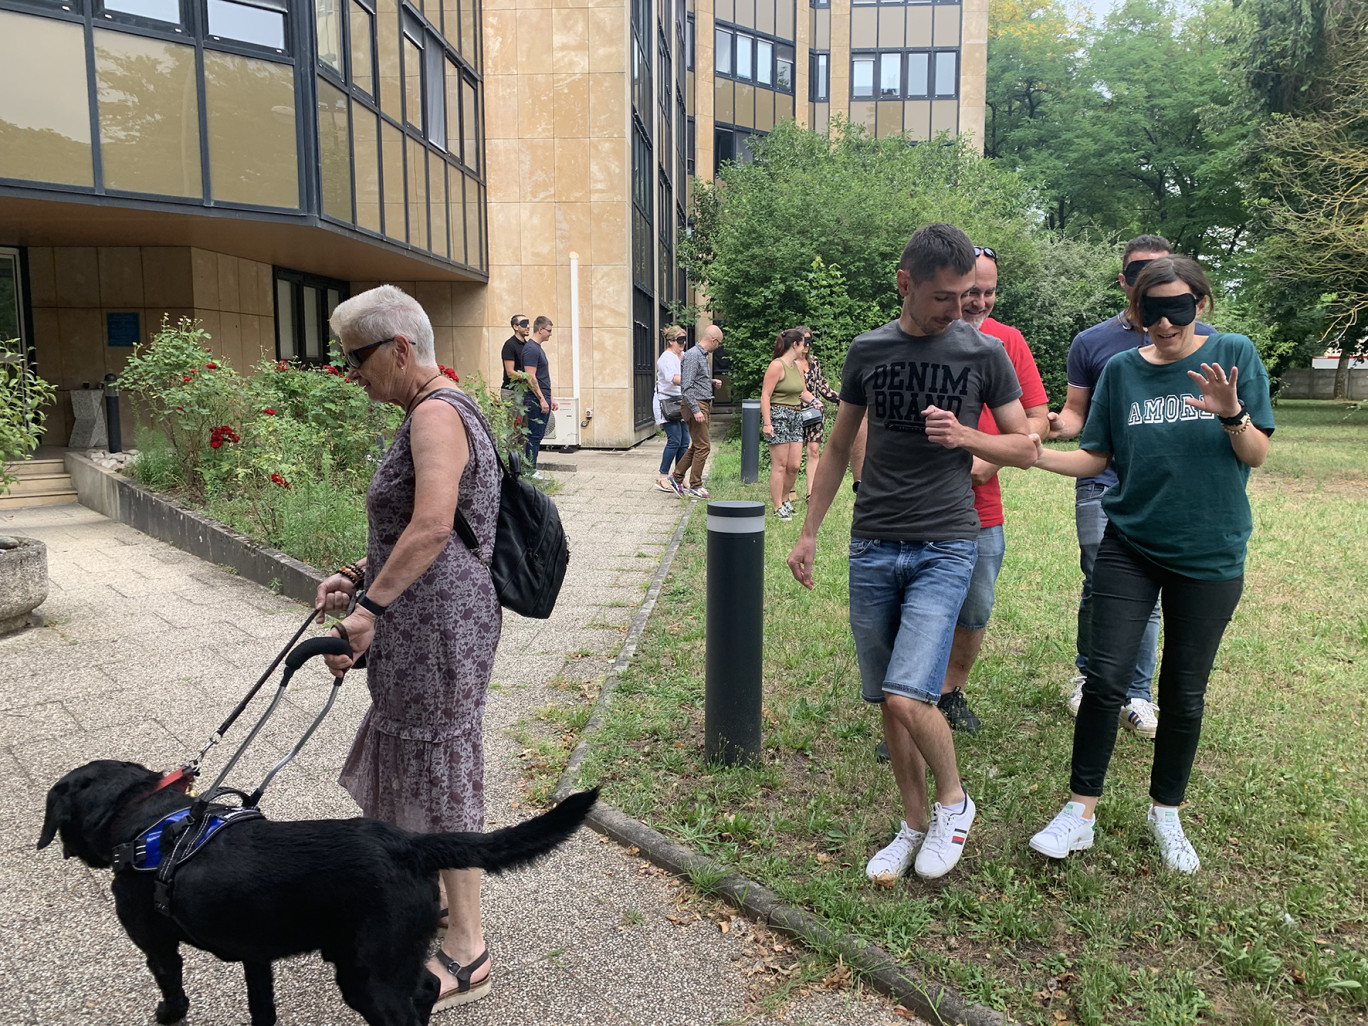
(251, 162)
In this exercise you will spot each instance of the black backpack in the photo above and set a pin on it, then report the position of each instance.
(530, 548)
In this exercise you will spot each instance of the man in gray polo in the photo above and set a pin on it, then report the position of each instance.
(696, 388)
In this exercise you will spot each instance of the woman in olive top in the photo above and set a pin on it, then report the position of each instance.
(816, 383)
(781, 395)
(1185, 418)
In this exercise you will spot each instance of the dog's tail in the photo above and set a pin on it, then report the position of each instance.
(510, 847)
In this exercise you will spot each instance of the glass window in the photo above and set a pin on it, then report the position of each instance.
(819, 77)
(328, 31)
(154, 10)
(387, 38)
(723, 50)
(689, 42)
(456, 212)
(783, 67)
(862, 78)
(392, 156)
(453, 108)
(46, 130)
(366, 161)
(149, 136)
(470, 140)
(417, 193)
(890, 75)
(287, 348)
(304, 302)
(918, 75)
(947, 72)
(362, 60)
(764, 62)
(724, 148)
(413, 83)
(435, 98)
(247, 24)
(743, 55)
(250, 118)
(313, 348)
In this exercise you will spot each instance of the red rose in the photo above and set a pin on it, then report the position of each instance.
(186, 378)
(215, 443)
(269, 412)
(282, 365)
(211, 366)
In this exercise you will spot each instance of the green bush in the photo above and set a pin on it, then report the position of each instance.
(23, 394)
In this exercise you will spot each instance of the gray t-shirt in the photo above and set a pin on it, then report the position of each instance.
(913, 489)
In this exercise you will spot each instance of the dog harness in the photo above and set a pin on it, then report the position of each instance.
(171, 841)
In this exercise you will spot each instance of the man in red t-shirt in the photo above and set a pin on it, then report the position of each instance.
(978, 604)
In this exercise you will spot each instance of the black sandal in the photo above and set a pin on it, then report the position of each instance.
(464, 991)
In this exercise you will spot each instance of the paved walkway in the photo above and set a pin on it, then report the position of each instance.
(144, 651)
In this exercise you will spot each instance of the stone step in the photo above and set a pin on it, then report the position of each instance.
(40, 482)
(33, 485)
(36, 468)
(56, 498)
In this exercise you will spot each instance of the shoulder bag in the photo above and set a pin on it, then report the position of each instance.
(672, 407)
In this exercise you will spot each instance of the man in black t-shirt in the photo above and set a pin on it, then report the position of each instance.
(512, 350)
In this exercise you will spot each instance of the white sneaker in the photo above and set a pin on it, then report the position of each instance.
(1179, 855)
(787, 507)
(1067, 832)
(891, 862)
(945, 839)
(537, 475)
(1076, 699)
(1139, 715)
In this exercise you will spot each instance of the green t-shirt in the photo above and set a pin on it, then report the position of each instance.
(1181, 499)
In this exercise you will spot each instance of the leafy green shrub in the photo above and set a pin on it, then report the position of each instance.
(23, 394)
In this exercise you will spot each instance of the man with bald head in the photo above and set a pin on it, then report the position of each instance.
(696, 388)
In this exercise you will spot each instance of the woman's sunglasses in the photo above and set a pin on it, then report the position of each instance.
(354, 358)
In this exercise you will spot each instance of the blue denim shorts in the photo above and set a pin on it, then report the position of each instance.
(978, 604)
(904, 599)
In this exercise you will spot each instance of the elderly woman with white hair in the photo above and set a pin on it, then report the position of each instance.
(427, 617)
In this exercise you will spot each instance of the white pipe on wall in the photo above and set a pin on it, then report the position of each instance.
(574, 324)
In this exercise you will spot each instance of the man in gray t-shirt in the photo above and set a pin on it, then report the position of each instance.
(921, 381)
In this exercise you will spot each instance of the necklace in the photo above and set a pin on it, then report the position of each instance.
(418, 394)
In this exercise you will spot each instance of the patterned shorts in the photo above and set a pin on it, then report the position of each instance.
(787, 427)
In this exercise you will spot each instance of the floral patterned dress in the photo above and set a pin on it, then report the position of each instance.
(418, 757)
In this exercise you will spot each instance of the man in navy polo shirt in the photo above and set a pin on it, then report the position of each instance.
(1088, 354)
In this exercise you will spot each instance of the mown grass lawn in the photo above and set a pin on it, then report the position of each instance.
(1273, 929)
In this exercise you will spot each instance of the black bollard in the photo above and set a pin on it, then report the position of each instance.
(750, 441)
(736, 584)
(113, 429)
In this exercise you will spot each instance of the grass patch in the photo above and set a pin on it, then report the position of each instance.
(1274, 929)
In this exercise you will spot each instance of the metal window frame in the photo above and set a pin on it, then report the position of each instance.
(298, 280)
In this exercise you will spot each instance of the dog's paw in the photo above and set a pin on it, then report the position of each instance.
(169, 1012)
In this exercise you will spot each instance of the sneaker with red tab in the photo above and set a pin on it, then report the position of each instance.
(945, 838)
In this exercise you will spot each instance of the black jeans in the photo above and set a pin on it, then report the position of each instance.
(1125, 586)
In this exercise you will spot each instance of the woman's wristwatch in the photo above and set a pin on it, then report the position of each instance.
(1236, 424)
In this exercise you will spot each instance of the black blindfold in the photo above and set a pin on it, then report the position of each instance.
(1133, 270)
(1179, 310)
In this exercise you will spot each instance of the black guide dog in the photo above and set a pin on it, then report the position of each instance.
(361, 892)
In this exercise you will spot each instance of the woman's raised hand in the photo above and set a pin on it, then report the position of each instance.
(334, 594)
(1218, 390)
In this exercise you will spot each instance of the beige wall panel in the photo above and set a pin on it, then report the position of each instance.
(944, 116)
(764, 109)
(228, 341)
(468, 304)
(744, 114)
(608, 177)
(745, 13)
(608, 29)
(456, 211)
(538, 233)
(574, 234)
(610, 240)
(973, 69)
(500, 39)
(821, 38)
(503, 155)
(892, 25)
(366, 163)
(889, 119)
(863, 113)
(209, 320)
(437, 206)
(537, 170)
(121, 276)
(821, 117)
(612, 362)
(840, 55)
(230, 297)
(535, 106)
(570, 38)
(505, 298)
(783, 107)
(918, 26)
(77, 275)
(388, 39)
(534, 44)
(466, 346)
(539, 294)
(435, 297)
(252, 350)
(392, 155)
(947, 19)
(975, 24)
(608, 294)
(505, 232)
(47, 340)
(42, 276)
(917, 118)
(724, 108)
(785, 17)
(204, 268)
(764, 18)
(44, 105)
(724, 10)
(570, 104)
(608, 105)
(572, 170)
(864, 28)
(167, 276)
(83, 347)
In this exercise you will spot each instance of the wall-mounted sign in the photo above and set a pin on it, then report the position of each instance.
(123, 329)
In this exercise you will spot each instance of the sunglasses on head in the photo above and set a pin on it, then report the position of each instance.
(990, 253)
(354, 358)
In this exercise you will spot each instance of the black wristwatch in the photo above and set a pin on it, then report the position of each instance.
(1239, 416)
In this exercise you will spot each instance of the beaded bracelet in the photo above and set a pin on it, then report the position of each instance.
(351, 572)
(1233, 431)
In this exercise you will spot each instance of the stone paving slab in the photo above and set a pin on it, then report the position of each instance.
(148, 648)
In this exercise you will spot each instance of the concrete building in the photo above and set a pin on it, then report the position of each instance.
(250, 163)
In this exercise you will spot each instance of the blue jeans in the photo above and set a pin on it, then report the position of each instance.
(904, 598)
(1091, 523)
(536, 428)
(676, 441)
(978, 604)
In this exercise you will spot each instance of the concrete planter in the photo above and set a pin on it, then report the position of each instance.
(23, 581)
